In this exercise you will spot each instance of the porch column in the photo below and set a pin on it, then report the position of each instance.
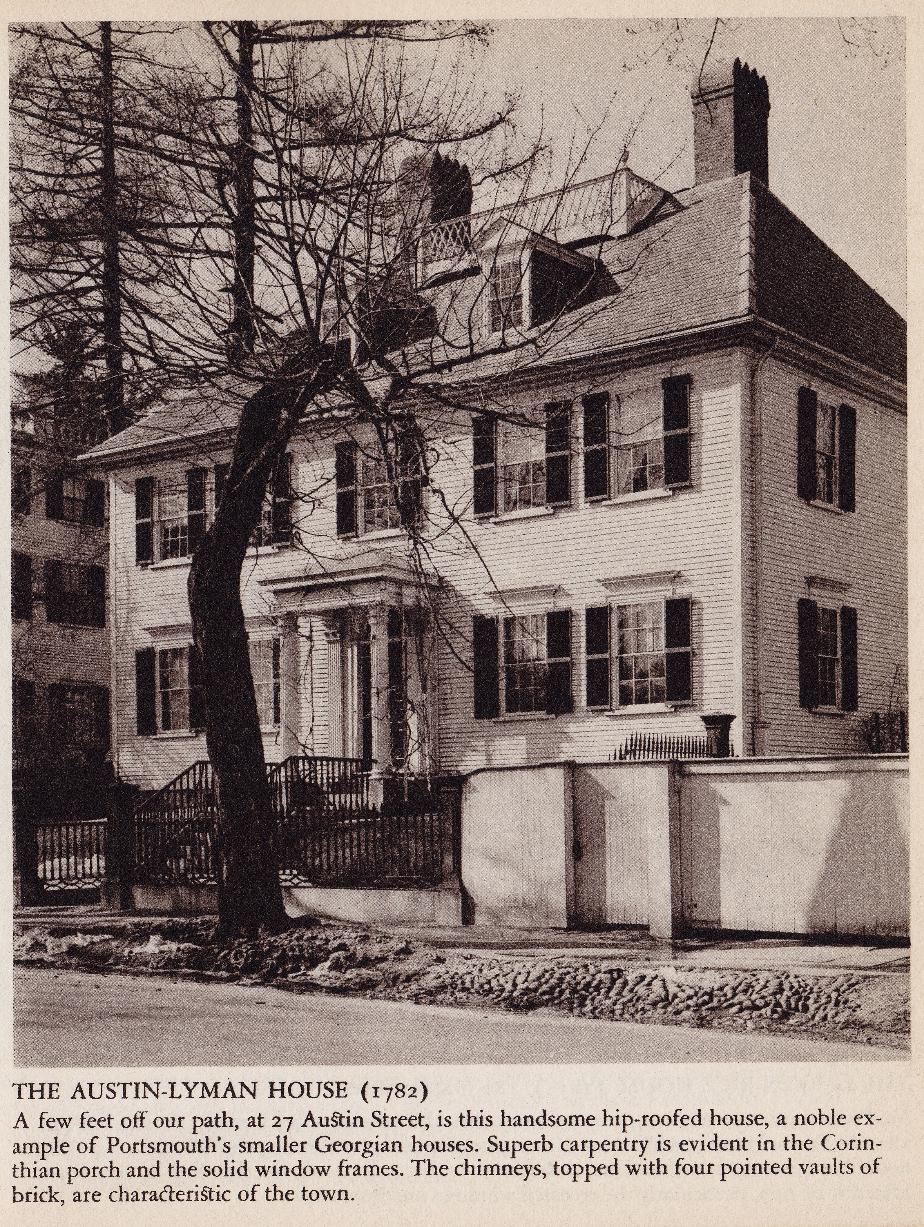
(381, 720)
(334, 641)
(289, 667)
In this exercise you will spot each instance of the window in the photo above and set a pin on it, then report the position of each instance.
(334, 333)
(22, 586)
(828, 674)
(264, 665)
(506, 295)
(275, 526)
(168, 690)
(75, 594)
(524, 663)
(534, 465)
(169, 517)
(22, 490)
(532, 660)
(653, 641)
(651, 440)
(75, 500)
(370, 498)
(80, 715)
(826, 452)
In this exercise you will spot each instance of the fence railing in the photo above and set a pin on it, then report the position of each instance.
(70, 855)
(328, 832)
(654, 747)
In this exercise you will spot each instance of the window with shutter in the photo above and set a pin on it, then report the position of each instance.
(345, 473)
(22, 586)
(596, 445)
(484, 460)
(558, 693)
(828, 675)
(525, 660)
(558, 454)
(486, 667)
(75, 594)
(597, 655)
(655, 652)
(144, 520)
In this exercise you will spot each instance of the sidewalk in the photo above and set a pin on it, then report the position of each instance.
(739, 952)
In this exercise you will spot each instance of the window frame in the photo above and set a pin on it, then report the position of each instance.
(830, 615)
(271, 685)
(66, 604)
(536, 665)
(499, 317)
(668, 444)
(666, 652)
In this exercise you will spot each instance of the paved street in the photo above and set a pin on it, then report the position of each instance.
(65, 1018)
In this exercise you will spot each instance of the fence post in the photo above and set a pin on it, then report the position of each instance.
(718, 739)
(120, 848)
(449, 802)
(27, 885)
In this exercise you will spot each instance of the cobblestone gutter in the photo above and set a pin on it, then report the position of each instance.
(858, 1006)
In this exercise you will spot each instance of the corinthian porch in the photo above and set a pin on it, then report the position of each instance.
(358, 665)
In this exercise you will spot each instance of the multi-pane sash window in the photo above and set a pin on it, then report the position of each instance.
(75, 500)
(375, 495)
(524, 663)
(650, 446)
(828, 672)
(653, 642)
(264, 665)
(168, 690)
(75, 594)
(173, 689)
(172, 522)
(169, 516)
(522, 466)
(506, 295)
(826, 451)
(80, 715)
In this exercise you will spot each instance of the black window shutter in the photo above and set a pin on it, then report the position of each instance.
(145, 699)
(96, 596)
(486, 667)
(596, 445)
(144, 513)
(282, 501)
(558, 454)
(221, 479)
(597, 652)
(54, 592)
(95, 504)
(808, 653)
(846, 457)
(484, 460)
(558, 695)
(678, 645)
(196, 690)
(101, 716)
(22, 491)
(676, 415)
(345, 470)
(54, 496)
(807, 444)
(849, 673)
(195, 507)
(22, 586)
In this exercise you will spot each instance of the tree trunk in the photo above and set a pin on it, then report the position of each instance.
(109, 216)
(249, 893)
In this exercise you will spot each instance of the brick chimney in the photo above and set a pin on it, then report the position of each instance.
(730, 108)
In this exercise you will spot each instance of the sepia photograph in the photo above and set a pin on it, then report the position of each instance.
(458, 542)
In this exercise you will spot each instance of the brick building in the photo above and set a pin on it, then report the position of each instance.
(690, 502)
(60, 640)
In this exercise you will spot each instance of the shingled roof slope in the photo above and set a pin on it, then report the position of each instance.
(713, 260)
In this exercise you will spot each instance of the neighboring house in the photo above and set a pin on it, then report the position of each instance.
(692, 503)
(60, 649)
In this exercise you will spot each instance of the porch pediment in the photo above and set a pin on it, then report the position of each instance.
(366, 579)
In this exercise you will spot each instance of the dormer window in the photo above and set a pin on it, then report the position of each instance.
(506, 288)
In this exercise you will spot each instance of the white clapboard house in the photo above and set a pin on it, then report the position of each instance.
(688, 501)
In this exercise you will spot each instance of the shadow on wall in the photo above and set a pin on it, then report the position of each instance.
(824, 854)
(864, 885)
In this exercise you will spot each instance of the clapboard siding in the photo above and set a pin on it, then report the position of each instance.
(864, 550)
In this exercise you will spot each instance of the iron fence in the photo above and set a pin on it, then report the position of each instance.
(654, 747)
(69, 855)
